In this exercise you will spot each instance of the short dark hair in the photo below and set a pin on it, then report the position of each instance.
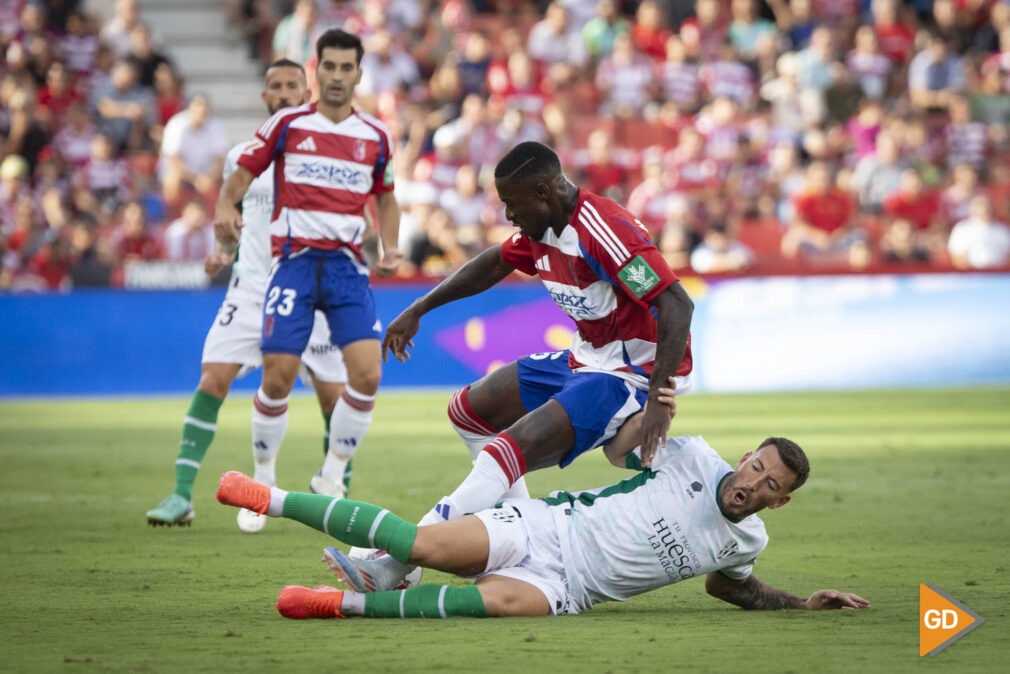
(336, 38)
(794, 458)
(285, 63)
(528, 160)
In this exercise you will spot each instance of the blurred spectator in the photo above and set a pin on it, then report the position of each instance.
(747, 28)
(600, 31)
(191, 237)
(647, 200)
(143, 55)
(557, 44)
(24, 133)
(955, 198)
(464, 202)
(934, 75)
(623, 79)
(796, 19)
(980, 242)
(704, 34)
(719, 252)
(987, 38)
(192, 152)
(727, 76)
(913, 203)
(116, 33)
(878, 174)
(868, 65)
(896, 39)
(816, 67)
(57, 96)
(901, 243)
(126, 109)
(296, 34)
(967, 140)
(679, 78)
(823, 224)
(133, 241)
(474, 64)
(104, 177)
(386, 68)
(13, 187)
(73, 141)
(678, 235)
(864, 128)
(78, 46)
(603, 175)
(649, 32)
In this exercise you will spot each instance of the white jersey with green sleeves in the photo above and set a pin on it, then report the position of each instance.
(253, 259)
(662, 526)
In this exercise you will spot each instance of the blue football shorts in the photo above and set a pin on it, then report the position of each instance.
(327, 280)
(597, 403)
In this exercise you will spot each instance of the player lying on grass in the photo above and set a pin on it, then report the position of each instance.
(690, 514)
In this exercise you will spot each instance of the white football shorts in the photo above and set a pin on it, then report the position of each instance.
(524, 545)
(234, 337)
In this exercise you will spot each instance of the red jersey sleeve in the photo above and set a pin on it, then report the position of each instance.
(518, 254)
(620, 244)
(259, 153)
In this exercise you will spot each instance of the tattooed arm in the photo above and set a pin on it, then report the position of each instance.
(754, 595)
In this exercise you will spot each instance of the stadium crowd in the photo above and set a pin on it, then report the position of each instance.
(775, 135)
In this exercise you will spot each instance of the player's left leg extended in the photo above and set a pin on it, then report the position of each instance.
(459, 547)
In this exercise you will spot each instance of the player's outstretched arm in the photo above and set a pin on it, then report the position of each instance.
(752, 594)
(472, 278)
(227, 219)
(674, 324)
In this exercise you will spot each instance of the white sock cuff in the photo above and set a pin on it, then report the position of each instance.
(276, 507)
(357, 395)
(271, 402)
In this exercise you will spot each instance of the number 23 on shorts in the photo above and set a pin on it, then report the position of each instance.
(286, 304)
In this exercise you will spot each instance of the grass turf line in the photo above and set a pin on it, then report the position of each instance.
(906, 487)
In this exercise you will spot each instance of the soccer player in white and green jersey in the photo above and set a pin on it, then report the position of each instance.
(690, 514)
(232, 347)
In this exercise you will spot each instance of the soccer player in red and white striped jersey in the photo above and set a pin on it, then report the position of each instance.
(633, 319)
(328, 159)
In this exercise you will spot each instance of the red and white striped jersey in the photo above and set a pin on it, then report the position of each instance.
(323, 175)
(602, 270)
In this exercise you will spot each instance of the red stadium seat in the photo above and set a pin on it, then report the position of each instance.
(639, 134)
(764, 237)
(583, 125)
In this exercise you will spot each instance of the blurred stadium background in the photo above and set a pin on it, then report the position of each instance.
(832, 179)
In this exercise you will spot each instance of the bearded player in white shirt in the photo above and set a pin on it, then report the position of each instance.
(689, 514)
(232, 347)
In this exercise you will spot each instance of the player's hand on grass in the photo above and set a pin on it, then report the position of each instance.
(387, 266)
(826, 600)
(399, 334)
(227, 223)
(215, 262)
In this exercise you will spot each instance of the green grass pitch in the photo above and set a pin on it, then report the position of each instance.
(906, 487)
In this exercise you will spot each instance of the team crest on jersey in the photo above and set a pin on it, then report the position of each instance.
(728, 549)
(359, 150)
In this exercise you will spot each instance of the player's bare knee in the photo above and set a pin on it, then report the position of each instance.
(366, 381)
(214, 382)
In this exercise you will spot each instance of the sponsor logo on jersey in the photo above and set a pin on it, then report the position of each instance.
(638, 276)
(673, 553)
(307, 145)
(341, 177)
(572, 304)
(729, 548)
(359, 150)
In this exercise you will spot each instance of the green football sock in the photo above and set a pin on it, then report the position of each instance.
(353, 522)
(197, 433)
(426, 601)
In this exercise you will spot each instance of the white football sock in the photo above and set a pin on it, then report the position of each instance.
(269, 424)
(276, 507)
(351, 418)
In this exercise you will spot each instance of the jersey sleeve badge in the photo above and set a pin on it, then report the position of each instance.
(638, 276)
